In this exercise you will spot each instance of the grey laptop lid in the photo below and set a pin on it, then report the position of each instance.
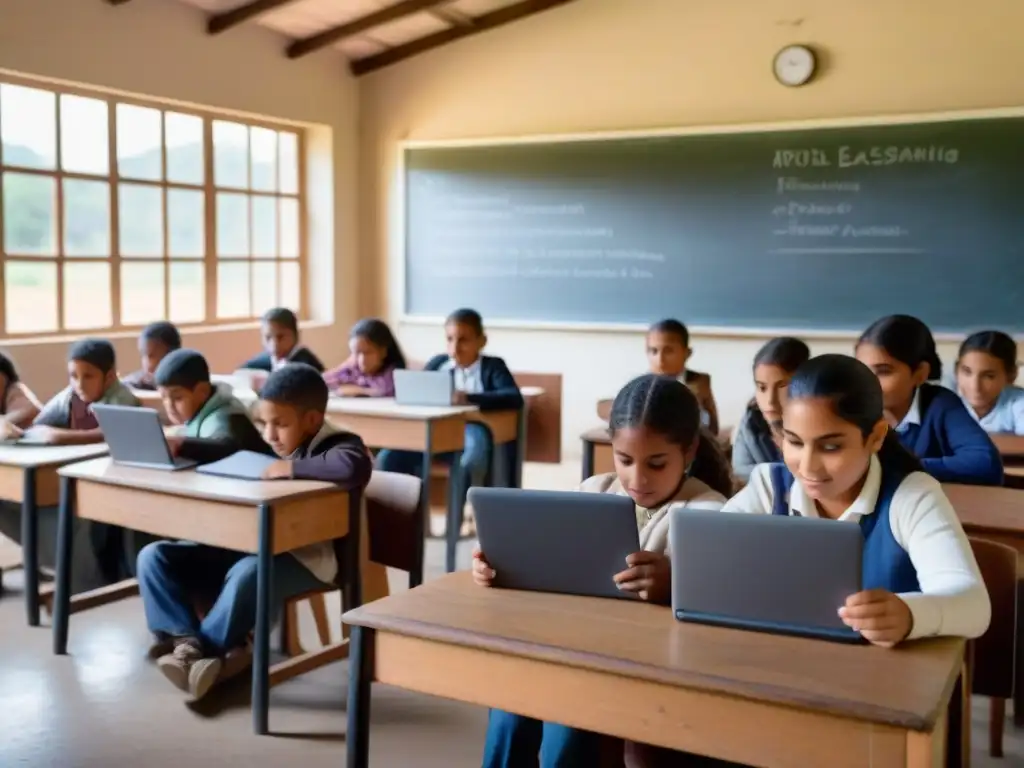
(136, 437)
(241, 465)
(556, 541)
(767, 572)
(423, 387)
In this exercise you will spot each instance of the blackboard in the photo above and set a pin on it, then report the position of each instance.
(825, 228)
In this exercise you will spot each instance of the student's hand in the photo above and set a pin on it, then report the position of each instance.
(279, 470)
(48, 435)
(649, 575)
(460, 398)
(483, 574)
(9, 431)
(879, 615)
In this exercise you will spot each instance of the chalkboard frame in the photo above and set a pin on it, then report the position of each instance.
(397, 249)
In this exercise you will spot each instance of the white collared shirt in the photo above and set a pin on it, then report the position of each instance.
(1006, 416)
(953, 599)
(469, 380)
(913, 415)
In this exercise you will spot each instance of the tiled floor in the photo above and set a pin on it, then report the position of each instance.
(104, 706)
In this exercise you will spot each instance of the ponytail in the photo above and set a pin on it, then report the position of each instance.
(895, 458)
(709, 465)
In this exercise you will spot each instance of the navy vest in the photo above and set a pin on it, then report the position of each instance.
(885, 564)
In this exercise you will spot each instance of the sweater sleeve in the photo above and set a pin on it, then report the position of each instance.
(501, 392)
(975, 459)
(346, 463)
(743, 460)
(260, 362)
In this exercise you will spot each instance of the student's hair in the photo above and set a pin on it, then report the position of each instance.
(98, 353)
(668, 407)
(298, 385)
(182, 368)
(856, 397)
(785, 352)
(673, 327)
(164, 332)
(283, 317)
(467, 317)
(907, 339)
(7, 369)
(996, 343)
(377, 332)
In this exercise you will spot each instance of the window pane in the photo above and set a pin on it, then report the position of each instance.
(28, 129)
(31, 296)
(183, 135)
(141, 220)
(230, 154)
(232, 224)
(29, 215)
(290, 296)
(263, 156)
(264, 226)
(142, 292)
(289, 228)
(288, 146)
(186, 214)
(188, 292)
(139, 154)
(264, 286)
(233, 289)
(86, 218)
(87, 295)
(84, 135)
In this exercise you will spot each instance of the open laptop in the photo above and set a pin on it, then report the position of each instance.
(532, 539)
(136, 437)
(424, 387)
(772, 573)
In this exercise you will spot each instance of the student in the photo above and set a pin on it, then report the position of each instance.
(280, 330)
(986, 369)
(369, 370)
(18, 404)
(480, 380)
(755, 440)
(668, 350)
(67, 419)
(174, 575)
(661, 462)
(930, 421)
(156, 341)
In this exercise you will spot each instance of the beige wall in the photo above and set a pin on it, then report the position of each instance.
(617, 64)
(160, 48)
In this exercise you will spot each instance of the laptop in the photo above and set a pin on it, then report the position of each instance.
(772, 573)
(532, 539)
(136, 437)
(241, 465)
(424, 387)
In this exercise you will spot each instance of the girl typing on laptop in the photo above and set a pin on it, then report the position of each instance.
(662, 460)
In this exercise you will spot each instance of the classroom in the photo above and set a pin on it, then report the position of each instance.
(748, 255)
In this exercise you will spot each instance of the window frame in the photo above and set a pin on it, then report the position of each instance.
(210, 189)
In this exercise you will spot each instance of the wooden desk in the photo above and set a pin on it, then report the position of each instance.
(990, 512)
(264, 518)
(1010, 446)
(629, 670)
(28, 474)
(597, 452)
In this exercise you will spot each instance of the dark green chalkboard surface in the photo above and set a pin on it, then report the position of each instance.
(815, 229)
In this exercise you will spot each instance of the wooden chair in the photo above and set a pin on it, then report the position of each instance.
(993, 653)
(604, 409)
(392, 502)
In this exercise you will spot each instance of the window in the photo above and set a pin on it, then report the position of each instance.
(114, 214)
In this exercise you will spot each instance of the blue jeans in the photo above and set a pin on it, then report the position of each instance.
(474, 464)
(514, 741)
(173, 575)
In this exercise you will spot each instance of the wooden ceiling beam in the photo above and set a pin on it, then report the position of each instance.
(452, 16)
(362, 24)
(480, 24)
(118, 2)
(222, 22)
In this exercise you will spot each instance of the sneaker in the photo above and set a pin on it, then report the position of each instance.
(202, 674)
(177, 664)
(162, 645)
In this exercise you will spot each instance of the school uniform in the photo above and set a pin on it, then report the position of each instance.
(173, 575)
(66, 410)
(952, 446)
(1006, 416)
(488, 384)
(264, 361)
(752, 443)
(382, 383)
(515, 740)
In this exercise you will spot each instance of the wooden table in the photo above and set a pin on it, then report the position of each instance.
(28, 474)
(1010, 446)
(597, 452)
(264, 518)
(629, 670)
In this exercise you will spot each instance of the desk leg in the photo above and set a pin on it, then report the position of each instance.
(360, 676)
(423, 519)
(62, 590)
(588, 459)
(352, 592)
(30, 545)
(453, 525)
(261, 635)
(517, 471)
